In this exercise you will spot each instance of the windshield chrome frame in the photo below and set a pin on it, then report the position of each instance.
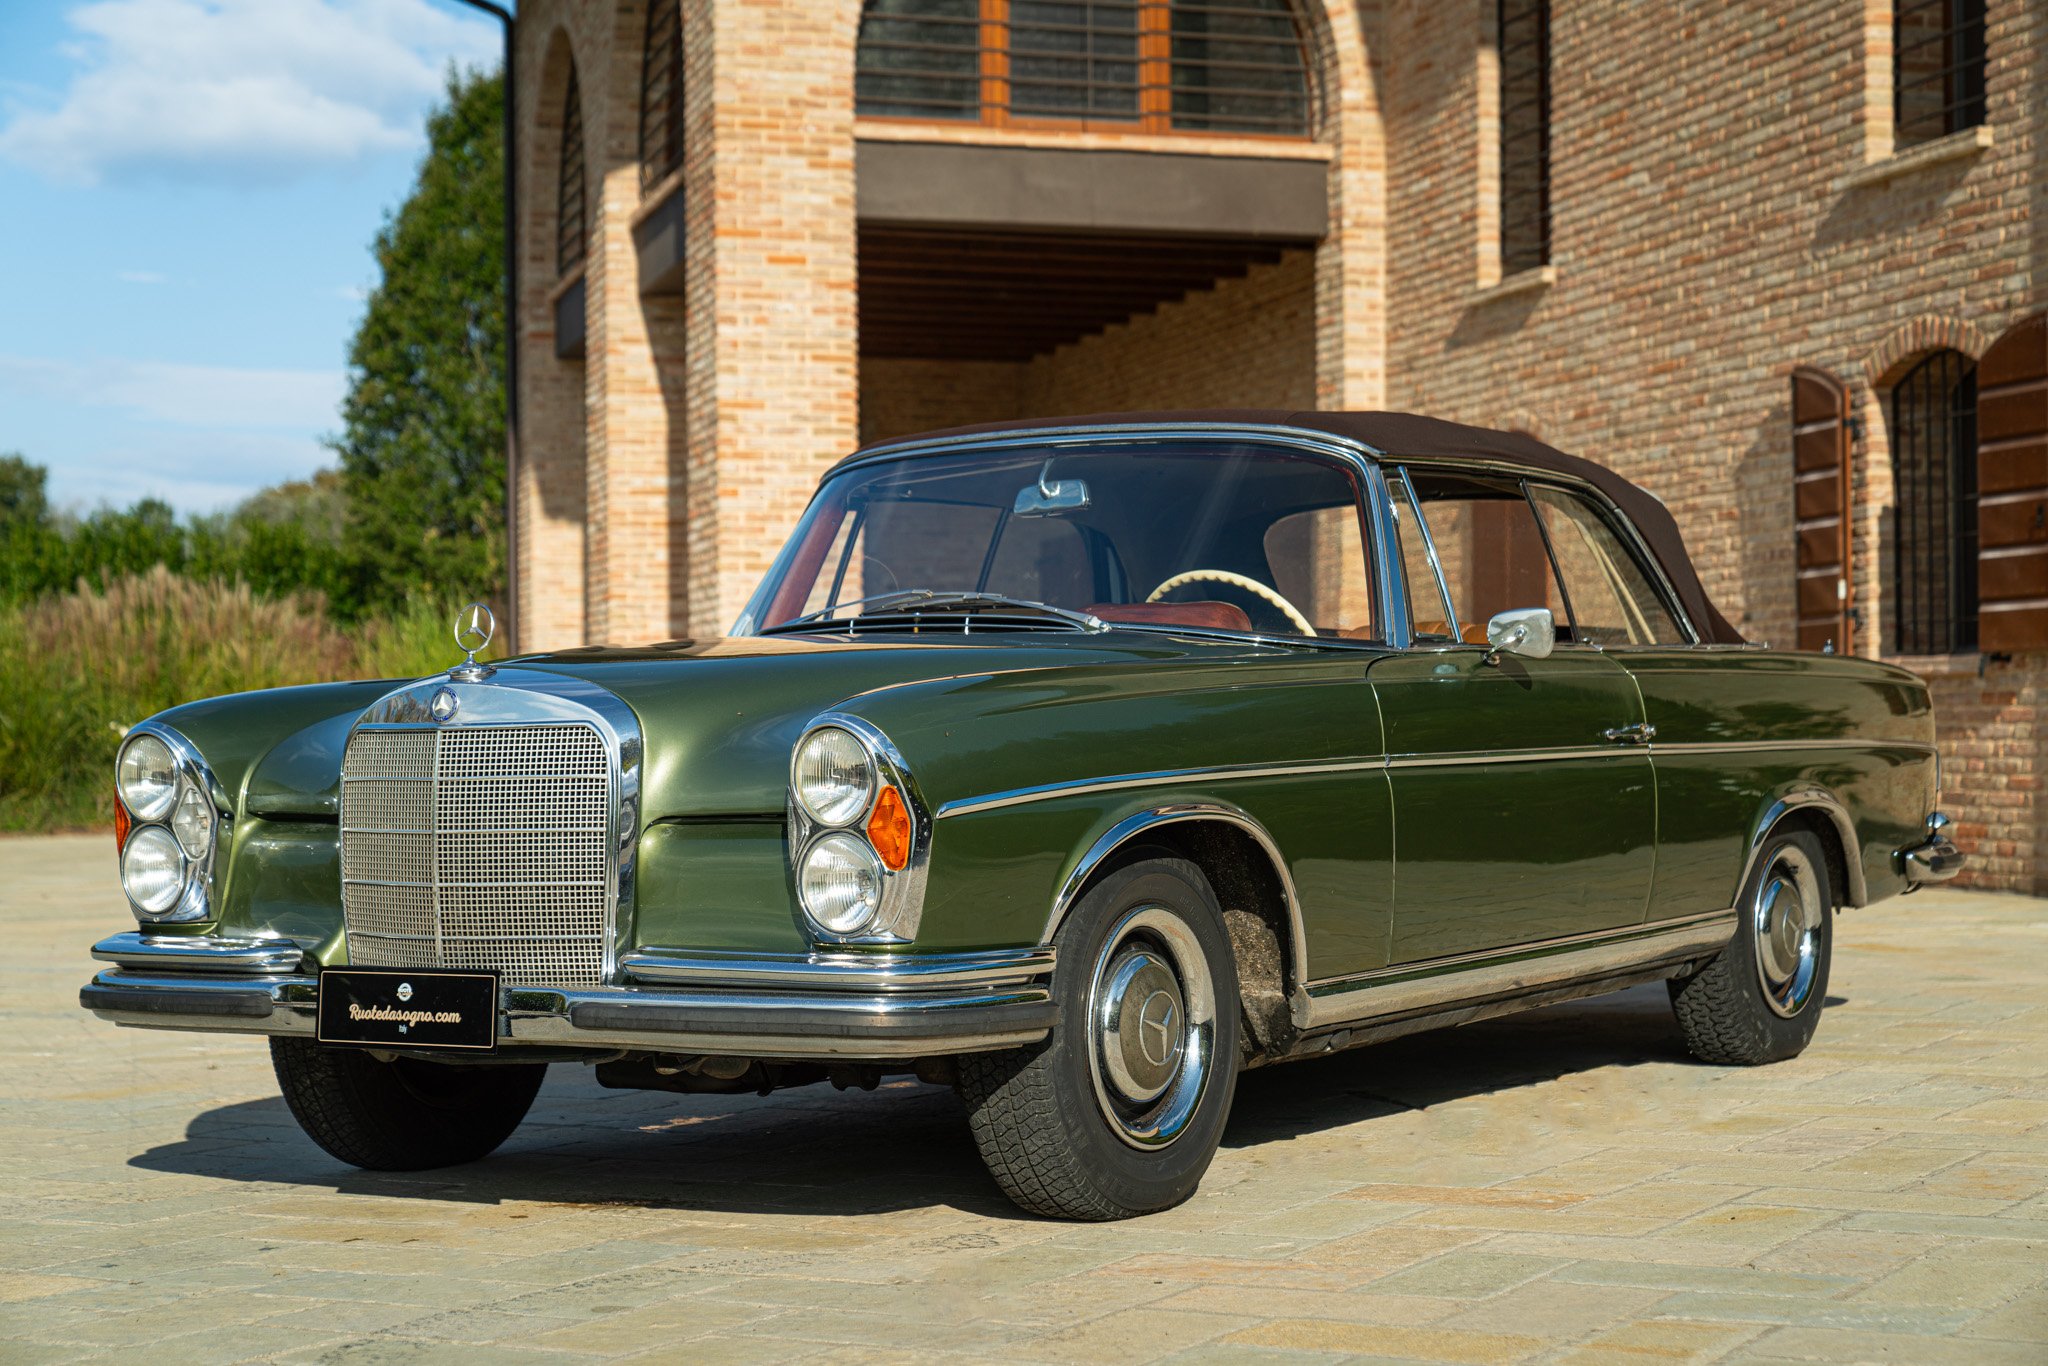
(1360, 460)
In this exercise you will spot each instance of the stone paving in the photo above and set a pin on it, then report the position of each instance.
(1561, 1187)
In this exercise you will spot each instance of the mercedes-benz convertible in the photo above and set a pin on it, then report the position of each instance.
(1078, 766)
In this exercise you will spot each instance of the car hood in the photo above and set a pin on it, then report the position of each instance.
(721, 717)
(718, 717)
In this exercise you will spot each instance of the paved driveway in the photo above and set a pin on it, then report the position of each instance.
(1561, 1187)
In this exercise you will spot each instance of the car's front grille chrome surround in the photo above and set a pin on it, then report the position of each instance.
(500, 839)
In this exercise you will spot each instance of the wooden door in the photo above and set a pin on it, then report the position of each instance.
(2012, 490)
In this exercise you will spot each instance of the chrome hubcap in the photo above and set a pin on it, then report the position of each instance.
(1786, 918)
(1152, 1012)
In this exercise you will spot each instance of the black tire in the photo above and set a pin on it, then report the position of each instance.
(404, 1115)
(1041, 1114)
(1725, 1009)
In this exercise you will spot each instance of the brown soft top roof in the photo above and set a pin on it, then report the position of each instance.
(1406, 434)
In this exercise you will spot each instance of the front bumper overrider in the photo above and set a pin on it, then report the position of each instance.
(826, 1005)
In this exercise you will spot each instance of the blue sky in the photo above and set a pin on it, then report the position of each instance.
(188, 189)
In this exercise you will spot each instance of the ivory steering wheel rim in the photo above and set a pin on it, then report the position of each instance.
(1249, 585)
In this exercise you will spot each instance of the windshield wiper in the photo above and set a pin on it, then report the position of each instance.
(924, 598)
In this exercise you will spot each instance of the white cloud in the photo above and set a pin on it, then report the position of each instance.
(220, 397)
(193, 471)
(242, 90)
(140, 277)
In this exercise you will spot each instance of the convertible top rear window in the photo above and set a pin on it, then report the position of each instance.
(1215, 534)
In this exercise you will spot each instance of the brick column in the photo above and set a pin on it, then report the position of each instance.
(632, 589)
(1351, 264)
(772, 383)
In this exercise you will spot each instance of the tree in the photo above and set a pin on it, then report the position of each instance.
(24, 493)
(423, 446)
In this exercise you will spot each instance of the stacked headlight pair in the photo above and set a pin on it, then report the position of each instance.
(167, 827)
(855, 831)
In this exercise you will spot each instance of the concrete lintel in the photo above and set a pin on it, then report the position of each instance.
(1042, 189)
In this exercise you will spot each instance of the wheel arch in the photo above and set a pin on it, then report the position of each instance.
(1262, 911)
(1813, 807)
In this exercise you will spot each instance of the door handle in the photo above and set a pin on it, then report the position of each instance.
(1635, 733)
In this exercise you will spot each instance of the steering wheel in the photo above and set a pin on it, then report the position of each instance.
(1293, 613)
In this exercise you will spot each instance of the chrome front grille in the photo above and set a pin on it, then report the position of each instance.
(478, 847)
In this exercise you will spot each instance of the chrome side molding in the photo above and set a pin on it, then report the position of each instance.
(1407, 988)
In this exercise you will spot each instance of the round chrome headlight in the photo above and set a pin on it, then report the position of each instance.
(147, 778)
(840, 884)
(152, 870)
(194, 824)
(835, 776)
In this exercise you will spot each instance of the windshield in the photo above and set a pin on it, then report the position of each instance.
(1219, 535)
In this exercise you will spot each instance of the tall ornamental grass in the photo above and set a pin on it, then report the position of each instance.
(77, 669)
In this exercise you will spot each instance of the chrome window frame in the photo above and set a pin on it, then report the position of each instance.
(517, 696)
(1623, 526)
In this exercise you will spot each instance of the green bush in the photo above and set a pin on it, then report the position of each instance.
(77, 669)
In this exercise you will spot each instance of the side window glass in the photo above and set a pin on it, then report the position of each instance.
(1491, 549)
(1612, 597)
(1317, 559)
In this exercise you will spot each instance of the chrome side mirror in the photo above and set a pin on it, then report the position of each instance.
(1527, 631)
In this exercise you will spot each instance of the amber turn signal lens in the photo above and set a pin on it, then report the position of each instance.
(120, 823)
(889, 830)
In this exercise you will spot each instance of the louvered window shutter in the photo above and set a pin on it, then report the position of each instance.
(1820, 509)
(2012, 489)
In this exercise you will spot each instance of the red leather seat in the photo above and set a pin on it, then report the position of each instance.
(1214, 616)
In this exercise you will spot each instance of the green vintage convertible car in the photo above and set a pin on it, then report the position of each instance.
(1077, 765)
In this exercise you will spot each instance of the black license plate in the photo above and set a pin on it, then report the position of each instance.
(404, 1008)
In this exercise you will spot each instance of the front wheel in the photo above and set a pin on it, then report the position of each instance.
(1120, 1111)
(1760, 1000)
(403, 1115)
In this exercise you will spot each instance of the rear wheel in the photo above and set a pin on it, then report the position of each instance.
(1760, 1000)
(1121, 1110)
(405, 1114)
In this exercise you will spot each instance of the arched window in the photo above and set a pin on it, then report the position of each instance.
(1156, 66)
(571, 227)
(1934, 480)
(661, 92)
(1937, 68)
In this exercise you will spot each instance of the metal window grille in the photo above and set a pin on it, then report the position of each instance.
(1937, 68)
(571, 228)
(1213, 66)
(661, 92)
(1934, 474)
(1523, 37)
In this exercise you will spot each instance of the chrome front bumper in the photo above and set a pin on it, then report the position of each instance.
(1933, 859)
(827, 1005)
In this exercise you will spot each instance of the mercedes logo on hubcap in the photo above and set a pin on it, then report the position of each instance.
(1156, 1028)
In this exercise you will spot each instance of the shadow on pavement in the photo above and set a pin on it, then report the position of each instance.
(816, 1151)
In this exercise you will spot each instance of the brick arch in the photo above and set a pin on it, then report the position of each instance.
(1905, 344)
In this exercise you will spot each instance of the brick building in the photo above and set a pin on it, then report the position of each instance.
(1784, 262)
